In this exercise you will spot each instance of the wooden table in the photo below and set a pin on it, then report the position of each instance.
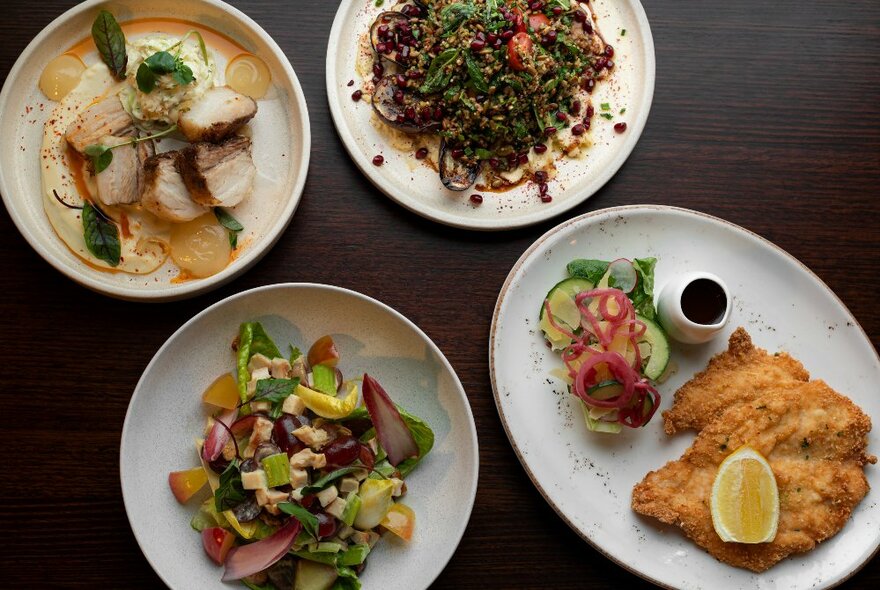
(765, 113)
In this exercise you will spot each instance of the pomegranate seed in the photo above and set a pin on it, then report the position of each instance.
(575, 107)
(620, 127)
(380, 47)
(560, 116)
(546, 198)
(588, 28)
(400, 80)
(580, 16)
(535, 6)
(523, 159)
(410, 113)
(609, 51)
(578, 129)
(609, 64)
(421, 153)
(494, 163)
(542, 188)
(588, 84)
(398, 96)
(457, 153)
(383, 30)
(477, 45)
(438, 114)
(586, 124)
(492, 38)
(413, 74)
(404, 52)
(557, 10)
(377, 160)
(548, 131)
(507, 35)
(540, 148)
(350, 83)
(590, 112)
(551, 37)
(378, 69)
(476, 199)
(600, 63)
(356, 95)
(400, 118)
(540, 177)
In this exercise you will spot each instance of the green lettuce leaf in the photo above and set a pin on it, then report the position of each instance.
(591, 270)
(643, 295)
(252, 339)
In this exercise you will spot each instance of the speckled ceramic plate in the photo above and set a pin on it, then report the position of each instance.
(417, 187)
(588, 477)
(166, 414)
(280, 134)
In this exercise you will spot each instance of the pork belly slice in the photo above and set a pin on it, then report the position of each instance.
(165, 193)
(122, 182)
(220, 112)
(219, 175)
(99, 120)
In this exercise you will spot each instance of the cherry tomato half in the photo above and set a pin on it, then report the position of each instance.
(518, 48)
(538, 21)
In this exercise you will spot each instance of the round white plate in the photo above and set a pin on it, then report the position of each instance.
(587, 477)
(418, 188)
(166, 414)
(280, 134)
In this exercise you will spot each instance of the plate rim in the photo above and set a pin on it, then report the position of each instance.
(610, 211)
(488, 225)
(190, 288)
(471, 424)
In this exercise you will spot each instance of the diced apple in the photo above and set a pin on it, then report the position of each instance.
(217, 543)
(223, 392)
(184, 484)
(323, 352)
(400, 520)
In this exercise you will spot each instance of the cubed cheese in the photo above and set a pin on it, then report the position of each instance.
(297, 494)
(262, 433)
(261, 406)
(308, 458)
(372, 539)
(293, 405)
(359, 537)
(336, 507)
(257, 362)
(254, 480)
(398, 487)
(257, 375)
(313, 437)
(280, 368)
(265, 497)
(327, 495)
(344, 531)
(298, 368)
(299, 477)
(360, 474)
(348, 484)
(374, 445)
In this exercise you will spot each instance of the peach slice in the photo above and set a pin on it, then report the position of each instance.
(184, 484)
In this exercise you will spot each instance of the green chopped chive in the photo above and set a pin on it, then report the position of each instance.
(623, 110)
(608, 116)
(622, 32)
(605, 106)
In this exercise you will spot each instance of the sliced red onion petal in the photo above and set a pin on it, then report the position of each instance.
(391, 430)
(249, 559)
(339, 380)
(246, 423)
(619, 368)
(219, 436)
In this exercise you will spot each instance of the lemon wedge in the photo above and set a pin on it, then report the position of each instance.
(745, 499)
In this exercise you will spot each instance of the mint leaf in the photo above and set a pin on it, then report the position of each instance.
(274, 390)
(439, 72)
(101, 235)
(230, 493)
(475, 74)
(322, 483)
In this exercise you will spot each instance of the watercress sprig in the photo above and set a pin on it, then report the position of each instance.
(163, 62)
(102, 155)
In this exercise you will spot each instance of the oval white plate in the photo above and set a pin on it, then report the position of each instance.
(280, 133)
(587, 477)
(166, 413)
(418, 188)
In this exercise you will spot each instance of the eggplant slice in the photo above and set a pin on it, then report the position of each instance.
(456, 175)
(393, 21)
(393, 105)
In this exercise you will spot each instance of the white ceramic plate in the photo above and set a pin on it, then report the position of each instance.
(280, 134)
(418, 188)
(587, 477)
(166, 414)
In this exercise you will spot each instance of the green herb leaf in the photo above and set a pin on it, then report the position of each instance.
(230, 493)
(323, 482)
(252, 339)
(101, 156)
(608, 116)
(623, 110)
(101, 235)
(475, 74)
(439, 72)
(591, 270)
(605, 106)
(146, 79)
(161, 62)
(295, 353)
(306, 518)
(453, 15)
(623, 32)
(643, 295)
(274, 390)
(183, 75)
(110, 41)
(227, 220)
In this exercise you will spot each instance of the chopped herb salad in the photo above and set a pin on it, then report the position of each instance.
(495, 79)
(303, 480)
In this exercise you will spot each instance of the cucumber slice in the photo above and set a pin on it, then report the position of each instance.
(606, 390)
(599, 425)
(571, 287)
(654, 365)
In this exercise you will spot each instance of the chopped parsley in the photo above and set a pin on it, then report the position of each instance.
(608, 116)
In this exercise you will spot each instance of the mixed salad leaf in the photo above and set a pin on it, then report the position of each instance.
(302, 482)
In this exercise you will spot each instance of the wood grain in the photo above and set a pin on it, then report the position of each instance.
(765, 114)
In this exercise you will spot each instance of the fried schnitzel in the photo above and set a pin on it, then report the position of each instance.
(815, 440)
(740, 374)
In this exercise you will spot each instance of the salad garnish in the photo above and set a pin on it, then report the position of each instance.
(601, 319)
(302, 481)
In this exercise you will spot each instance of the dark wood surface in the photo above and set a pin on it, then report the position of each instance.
(765, 113)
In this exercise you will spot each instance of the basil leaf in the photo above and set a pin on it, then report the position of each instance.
(323, 482)
(475, 74)
(306, 518)
(161, 62)
(230, 492)
(101, 235)
(274, 390)
(110, 41)
(439, 72)
(146, 79)
(227, 220)
(183, 75)
(591, 270)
